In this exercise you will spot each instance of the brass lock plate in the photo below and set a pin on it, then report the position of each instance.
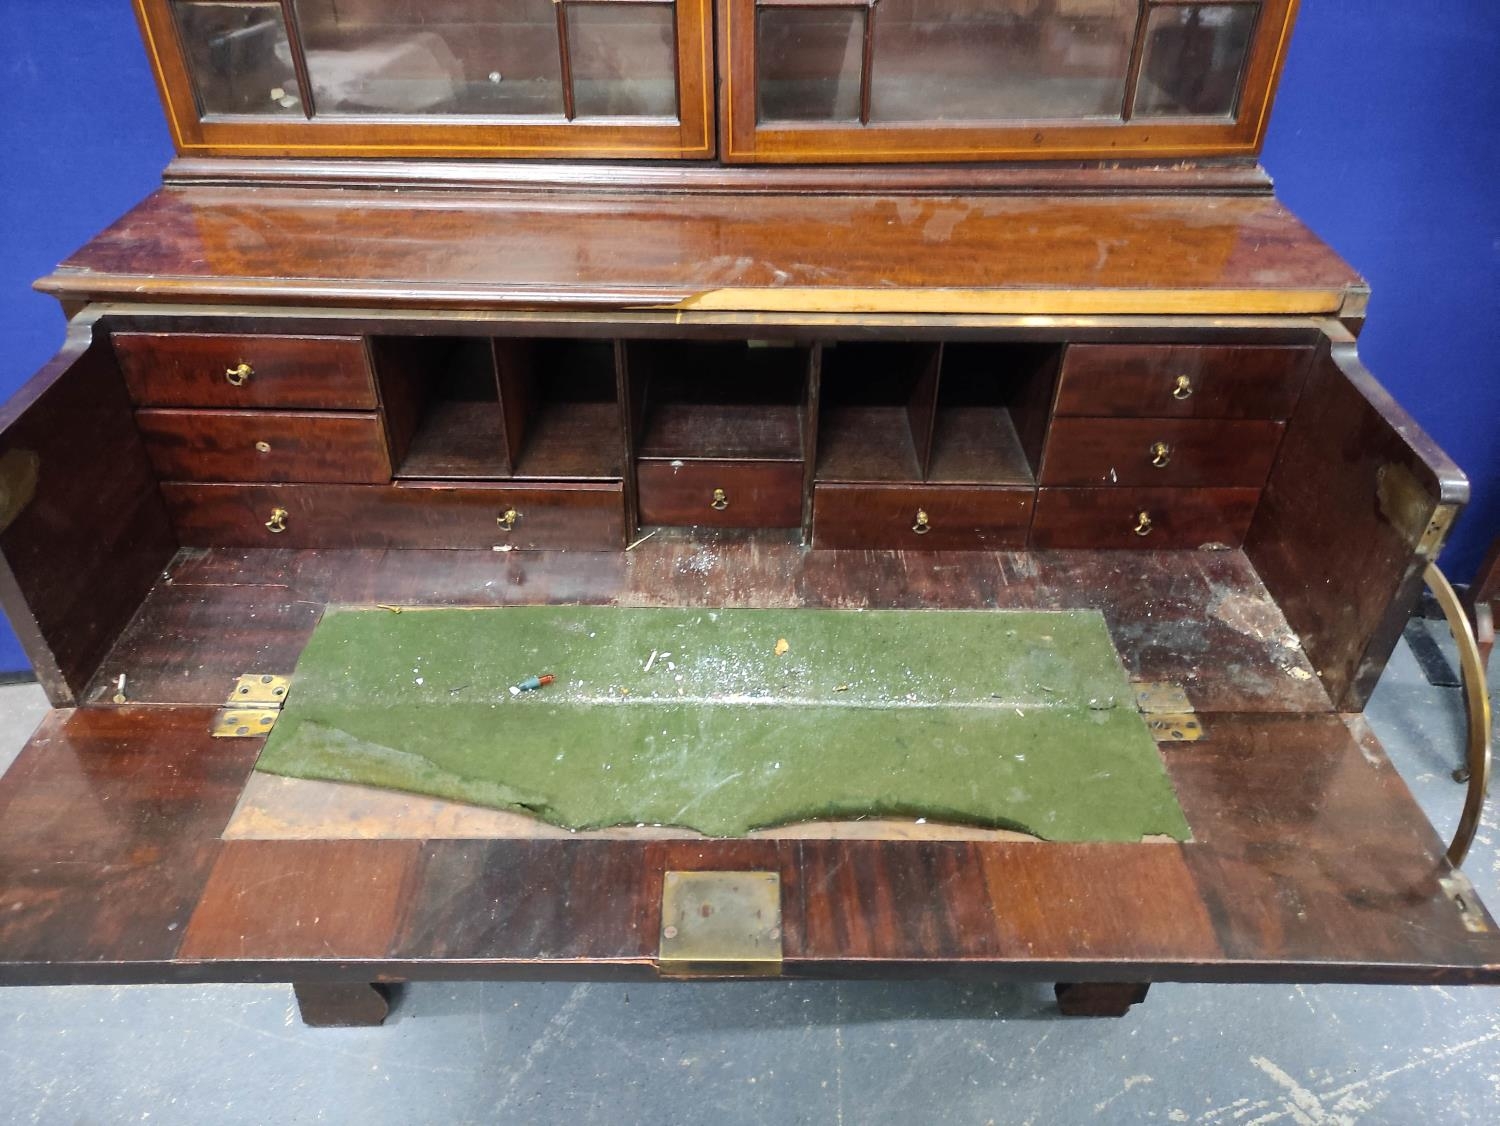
(720, 924)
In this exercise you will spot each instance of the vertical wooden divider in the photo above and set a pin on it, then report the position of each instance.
(810, 434)
(922, 409)
(514, 364)
(633, 416)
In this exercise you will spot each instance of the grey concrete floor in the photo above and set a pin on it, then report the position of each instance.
(783, 1052)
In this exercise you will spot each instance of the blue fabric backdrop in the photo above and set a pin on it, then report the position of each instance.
(1383, 140)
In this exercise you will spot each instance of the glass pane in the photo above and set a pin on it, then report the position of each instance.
(624, 59)
(808, 61)
(239, 58)
(493, 57)
(1000, 60)
(1194, 58)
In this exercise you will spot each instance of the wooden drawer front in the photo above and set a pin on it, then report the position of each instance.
(574, 515)
(169, 370)
(266, 446)
(756, 494)
(1148, 381)
(1176, 518)
(887, 516)
(1160, 452)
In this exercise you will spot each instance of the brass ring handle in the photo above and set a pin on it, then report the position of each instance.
(277, 522)
(1182, 388)
(922, 525)
(720, 501)
(237, 375)
(1161, 454)
(507, 519)
(1143, 524)
(1476, 707)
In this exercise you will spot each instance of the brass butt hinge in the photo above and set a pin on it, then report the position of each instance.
(1167, 711)
(252, 707)
(720, 924)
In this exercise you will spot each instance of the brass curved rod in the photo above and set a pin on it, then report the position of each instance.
(1476, 707)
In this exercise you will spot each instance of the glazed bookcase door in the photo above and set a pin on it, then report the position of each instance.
(914, 80)
(500, 78)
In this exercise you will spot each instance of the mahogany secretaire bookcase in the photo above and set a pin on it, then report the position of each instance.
(794, 303)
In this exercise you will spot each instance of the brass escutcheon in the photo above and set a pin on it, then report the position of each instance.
(720, 501)
(238, 374)
(507, 519)
(922, 525)
(1161, 454)
(277, 522)
(1182, 388)
(1142, 524)
(263, 447)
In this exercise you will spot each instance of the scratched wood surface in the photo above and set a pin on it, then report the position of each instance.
(1311, 862)
(1198, 618)
(956, 253)
(1309, 859)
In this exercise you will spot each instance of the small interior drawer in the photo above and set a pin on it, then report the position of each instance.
(921, 516)
(1171, 381)
(1159, 452)
(577, 515)
(721, 494)
(1146, 519)
(184, 370)
(257, 445)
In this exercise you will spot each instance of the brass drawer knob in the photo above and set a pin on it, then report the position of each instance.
(1143, 524)
(262, 447)
(922, 525)
(237, 375)
(1161, 454)
(277, 522)
(508, 519)
(1183, 388)
(720, 501)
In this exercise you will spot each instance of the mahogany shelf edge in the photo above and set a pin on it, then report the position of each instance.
(1219, 255)
(1235, 175)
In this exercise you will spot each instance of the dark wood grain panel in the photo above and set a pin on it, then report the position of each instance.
(352, 248)
(975, 518)
(1339, 535)
(1309, 847)
(562, 900)
(302, 900)
(83, 531)
(1123, 451)
(757, 494)
(587, 516)
(242, 446)
(1130, 380)
(998, 901)
(184, 370)
(108, 827)
(1112, 518)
